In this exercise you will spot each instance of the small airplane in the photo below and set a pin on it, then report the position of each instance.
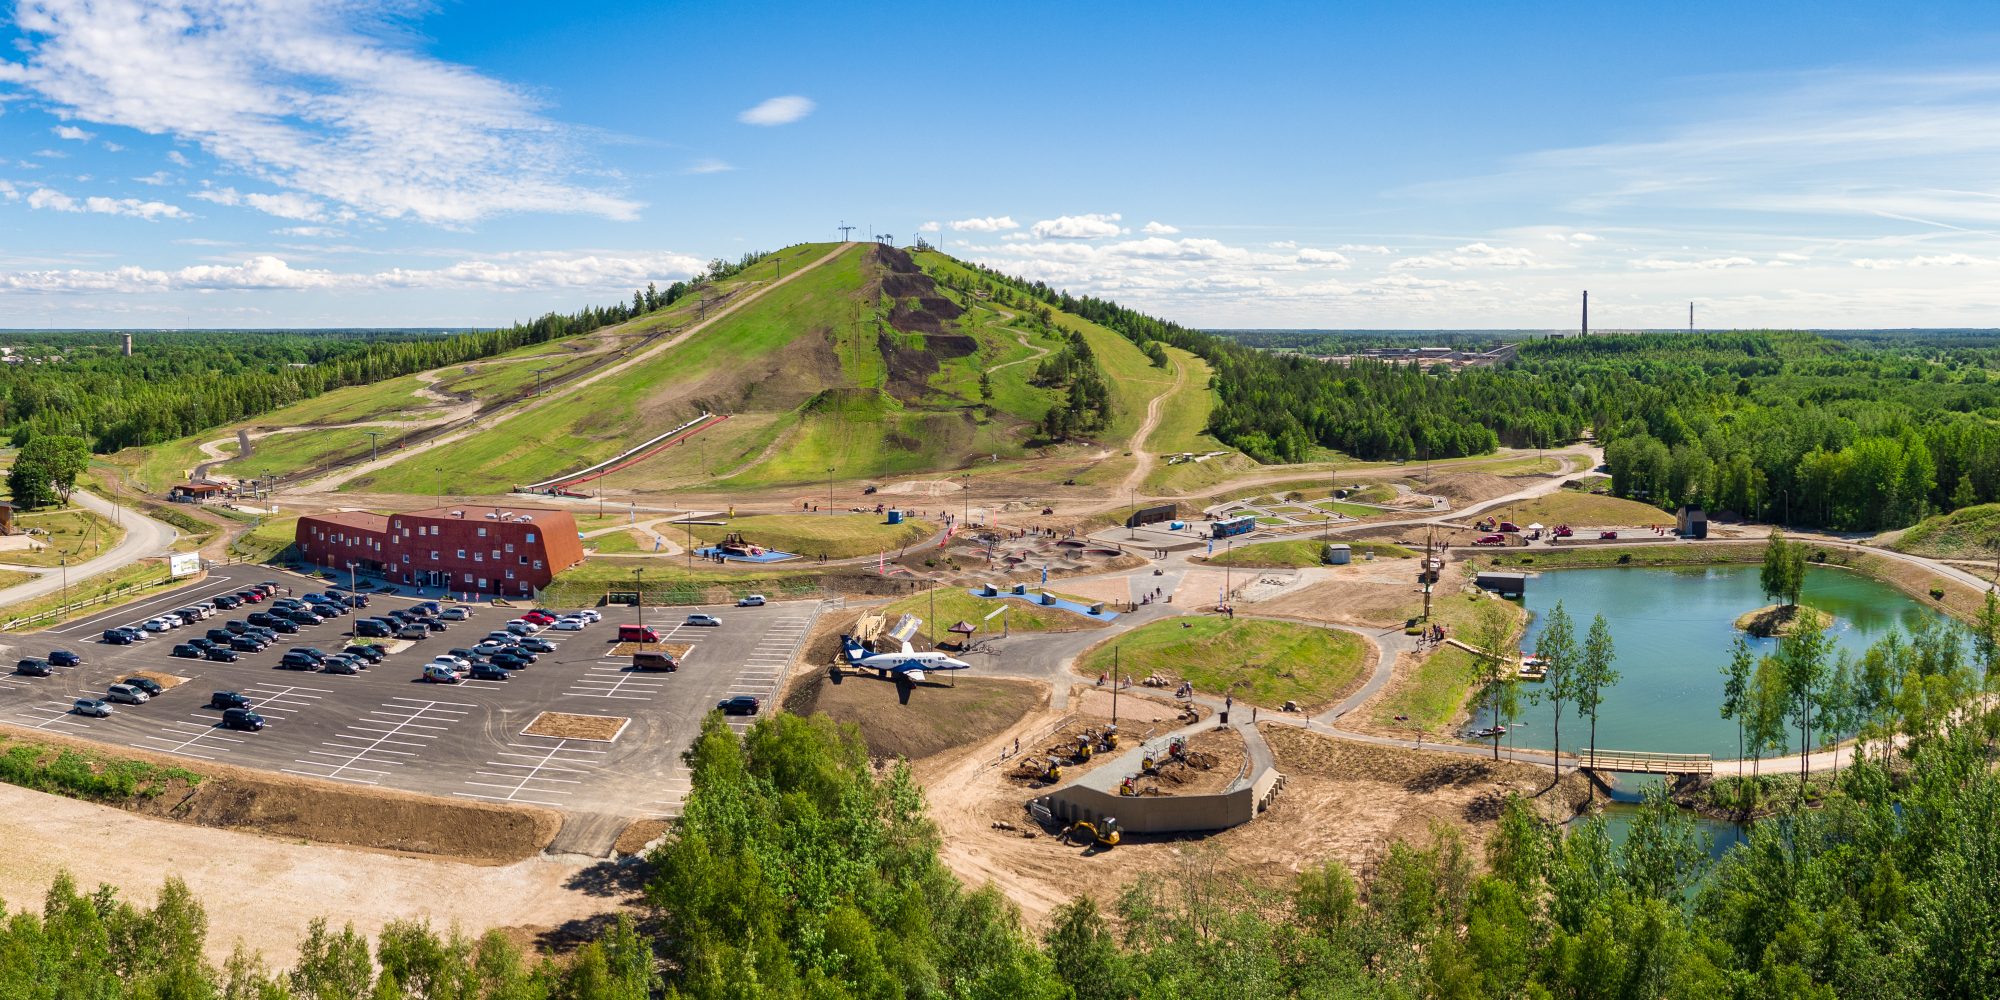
(908, 663)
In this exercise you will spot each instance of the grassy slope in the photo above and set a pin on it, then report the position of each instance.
(1967, 533)
(75, 534)
(954, 604)
(1571, 507)
(836, 536)
(1261, 662)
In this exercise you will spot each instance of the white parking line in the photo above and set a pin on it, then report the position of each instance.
(401, 715)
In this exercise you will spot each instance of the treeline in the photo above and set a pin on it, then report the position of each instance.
(1285, 407)
(180, 383)
(1853, 434)
(1085, 406)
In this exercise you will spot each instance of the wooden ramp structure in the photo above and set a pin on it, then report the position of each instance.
(1645, 762)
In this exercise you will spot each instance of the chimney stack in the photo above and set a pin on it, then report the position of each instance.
(128, 345)
(1586, 313)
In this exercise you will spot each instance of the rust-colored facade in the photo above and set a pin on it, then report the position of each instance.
(511, 551)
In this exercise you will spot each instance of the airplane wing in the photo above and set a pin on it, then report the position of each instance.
(907, 651)
(915, 675)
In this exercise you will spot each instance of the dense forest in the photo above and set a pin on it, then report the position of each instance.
(179, 382)
(801, 871)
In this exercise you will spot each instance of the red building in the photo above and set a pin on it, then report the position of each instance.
(511, 551)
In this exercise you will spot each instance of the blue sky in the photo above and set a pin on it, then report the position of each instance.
(381, 162)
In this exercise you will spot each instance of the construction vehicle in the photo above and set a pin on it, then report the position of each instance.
(1051, 771)
(1083, 749)
(1104, 834)
(1175, 750)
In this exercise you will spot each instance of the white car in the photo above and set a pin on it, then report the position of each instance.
(709, 620)
(457, 661)
(157, 625)
(568, 625)
(751, 601)
(587, 615)
(515, 625)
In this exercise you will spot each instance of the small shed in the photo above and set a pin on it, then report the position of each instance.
(6, 518)
(1692, 522)
(895, 516)
(196, 492)
(1504, 584)
(962, 633)
(1339, 554)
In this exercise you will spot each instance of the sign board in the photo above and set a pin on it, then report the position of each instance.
(185, 563)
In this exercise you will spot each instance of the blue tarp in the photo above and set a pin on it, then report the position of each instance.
(769, 556)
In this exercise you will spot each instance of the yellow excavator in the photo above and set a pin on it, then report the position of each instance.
(1104, 834)
(1083, 749)
(1051, 771)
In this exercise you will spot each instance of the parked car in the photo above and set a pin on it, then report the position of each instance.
(413, 633)
(523, 628)
(315, 652)
(534, 644)
(427, 607)
(202, 643)
(751, 601)
(647, 659)
(64, 658)
(237, 626)
(96, 707)
(283, 626)
(156, 625)
(742, 704)
(126, 694)
(511, 661)
(700, 619)
(440, 673)
(490, 647)
(297, 661)
(228, 699)
(487, 672)
(539, 618)
(187, 651)
(246, 644)
(219, 635)
(588, 615)
(569, 625)
(454, 614)
(637, 633)
(242, 718)
(432, 624)
(146, 684)
(372, 654)
(249, 596)
(372, 628)
(33, 666)
(342, 664)
(228, 602)
(220, 654)
(118, 637)
(458, 662)
(1490, 540)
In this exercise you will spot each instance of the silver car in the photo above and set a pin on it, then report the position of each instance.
(96, 707)
(126, 694)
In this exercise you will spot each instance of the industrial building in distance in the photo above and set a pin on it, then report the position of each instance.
(510, 551)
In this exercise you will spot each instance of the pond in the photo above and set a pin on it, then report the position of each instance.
(1673, 629)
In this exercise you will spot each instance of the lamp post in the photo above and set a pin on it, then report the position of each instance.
(639, 595)
(439, 469)
(351, 581)
(65, 575)
(829, 487)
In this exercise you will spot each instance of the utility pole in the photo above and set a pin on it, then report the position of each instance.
(1114, 683)
(845, 230)
(374, 445)
(1428, 540)
(538, 379)
(639, 595)
(829, 487)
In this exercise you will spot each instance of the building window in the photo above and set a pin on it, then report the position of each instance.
(482, 583)
(434, 555)
(461, 553)
(468, 578)
(479, 557)
(510, 574)
(482, 532)
(538, 564)
(531, 537)
(524, 560)
(406, 557)
(510, 546)
(398, 523)
(496, 555)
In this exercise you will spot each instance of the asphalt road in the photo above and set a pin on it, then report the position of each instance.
(143, 537)
(387, 727)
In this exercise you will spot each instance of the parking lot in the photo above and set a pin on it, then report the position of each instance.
(385, 726)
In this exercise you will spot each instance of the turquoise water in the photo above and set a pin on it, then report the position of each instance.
(1673, 629)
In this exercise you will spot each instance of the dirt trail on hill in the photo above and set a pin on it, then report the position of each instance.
(1141, 454)
(486, 420)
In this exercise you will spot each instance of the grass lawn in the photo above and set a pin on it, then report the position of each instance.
(636, 541)
(127, 583)
(1184, 417)
(9, 577)
(269, 537)
(955, 605)
(1432, 696)
(1601, 556)
(75, 534)
(1571, 507)
(1969, 532)
(672, 582)
(1457, 612)
(1261, 662)
(494, 379)
(836, 536)
(1299, 552)
(1349, 509)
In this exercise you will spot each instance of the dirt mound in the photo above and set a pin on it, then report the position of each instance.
(328, 812)
(916, 721)
(1463, 488)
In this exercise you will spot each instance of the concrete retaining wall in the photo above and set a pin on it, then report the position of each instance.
(1164, 813)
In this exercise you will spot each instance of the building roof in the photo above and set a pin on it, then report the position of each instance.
(365, 520)
(200, 487)
(478, 512)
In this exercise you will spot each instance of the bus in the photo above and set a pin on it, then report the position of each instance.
(1233, 526)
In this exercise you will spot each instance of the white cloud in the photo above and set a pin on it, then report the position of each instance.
(1324, 258)
(73, 133)
(311, 96)
(929, 227)
(285, 205)
(1927, 260)
(526, 271)
(1077, 227)
(157, 178)
(312, 232)
(112, 147)
(1474, 255)
(1158, 229)
(1710, 264)
(7, 192)
(708, 166)
(777, 111)
(1375, 248)
(56, 201)
(175, 157)
(987, 224)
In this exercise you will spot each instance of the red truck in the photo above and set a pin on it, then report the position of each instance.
(1509, 527)
(1490, 540)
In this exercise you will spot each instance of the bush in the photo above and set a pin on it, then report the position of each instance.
(98, 779)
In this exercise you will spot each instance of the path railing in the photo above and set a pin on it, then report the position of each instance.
(1645, 762)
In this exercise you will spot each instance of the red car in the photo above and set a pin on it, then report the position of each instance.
(539, 618)
(251, 596)
(1490, 540)
(1607, 534)
(1509, 526)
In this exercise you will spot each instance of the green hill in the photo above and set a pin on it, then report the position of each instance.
(1967, 533)
(866, 363)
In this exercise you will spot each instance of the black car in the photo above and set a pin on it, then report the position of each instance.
(488, 672)
(342, 664)
(297, 661)
(742, 704)
(202, 642)
(242, 718)
(221, 635)
(357, 600)
(427, 607)
(511, 661)
(228, 602)
(522, 651)
(119, 637)
(373, 628)
(283, 626)
(372, 654)
(33, 666)
(237, 625)
(228, 699)
(263, 618)
(537, 645)
(64, 658)
(413, 633)
(315, 652)
(221, 654)
(148, 685)
(245, 644)
(187, 651)
(432, 624)
(301, 617)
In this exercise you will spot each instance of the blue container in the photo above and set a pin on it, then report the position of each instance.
(895, 517)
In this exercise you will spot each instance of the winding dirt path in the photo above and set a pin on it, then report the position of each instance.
(1141, 454)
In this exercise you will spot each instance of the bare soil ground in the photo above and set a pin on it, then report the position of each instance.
(1370, 594)
(1134, 705)
(563, 726)
(262, 890)
(640, 833)
(1464, 488)
(1213, 760)
(916, 721)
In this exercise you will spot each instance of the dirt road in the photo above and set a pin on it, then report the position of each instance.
(1142, 455)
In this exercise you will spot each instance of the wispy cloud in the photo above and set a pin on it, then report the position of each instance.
(1078, 227)
(710, 166)
(56, 201)
(984, 224)
(309, 97)
(527, 271)
(73, 133)
(777, 111)
(1159, 229)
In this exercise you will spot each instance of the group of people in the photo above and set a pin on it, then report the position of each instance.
(1430, 637)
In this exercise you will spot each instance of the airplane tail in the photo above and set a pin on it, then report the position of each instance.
(852, 647)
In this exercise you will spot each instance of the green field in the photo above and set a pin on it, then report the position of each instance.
(72, 534)
(1966, 533)
(507, 374)
(1431, 697)
(268, 537)
(1296, 552)
(1261, 662)
(954, 604)
(836, 536)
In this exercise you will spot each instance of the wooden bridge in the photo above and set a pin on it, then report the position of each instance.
(1644, 762)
